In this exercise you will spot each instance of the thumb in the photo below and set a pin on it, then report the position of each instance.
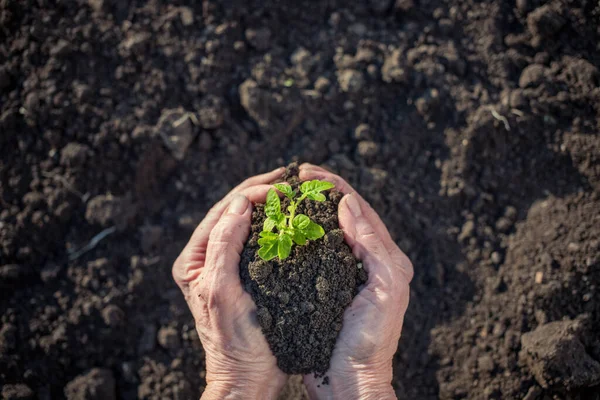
(227, 239)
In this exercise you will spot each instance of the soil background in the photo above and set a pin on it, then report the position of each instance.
(470, 126)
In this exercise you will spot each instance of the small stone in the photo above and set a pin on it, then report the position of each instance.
(393, 70)
(485, 363)
(187, 16)
(134, 43)
(168, 338)
(496, 258)
(532, 76)
(351, 81)
(264, 318)
(74, 154)
(259, 38)
(211, 113)
(467, 231)
(573, 247)
(260, 270)
(545, 21)
(367, 149)
(19, 391)
(96, 384)
(539, 277)
(108, 210)
(557, 358)
(177, 131)
(322, 84)
(362, 132)
(112, 315)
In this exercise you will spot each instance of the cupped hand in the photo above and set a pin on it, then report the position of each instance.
(361, 363)
(239, 363)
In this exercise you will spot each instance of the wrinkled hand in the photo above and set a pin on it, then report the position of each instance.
(361, 363)
(239, 363)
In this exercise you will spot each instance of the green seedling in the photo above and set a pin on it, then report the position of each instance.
(289, 228)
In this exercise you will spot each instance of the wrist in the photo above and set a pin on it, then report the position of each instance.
(242, 389)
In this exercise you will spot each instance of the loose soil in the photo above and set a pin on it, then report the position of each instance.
(470, 126)
(301, 300)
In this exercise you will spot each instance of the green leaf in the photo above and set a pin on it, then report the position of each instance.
(267, 234)
(299, 238)
(316, 196)
(286, 190)
(269, 224)
(273, 205)
(313, 231)
(301, 221)
(268, 251)
(315, 186)
(285, 246)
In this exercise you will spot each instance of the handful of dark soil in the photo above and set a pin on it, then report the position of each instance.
(301, 300)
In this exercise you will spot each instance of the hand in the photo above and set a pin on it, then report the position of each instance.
(239, 363)
(361, 363)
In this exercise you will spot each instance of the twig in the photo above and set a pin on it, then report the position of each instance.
(500, 118)
(92, 243)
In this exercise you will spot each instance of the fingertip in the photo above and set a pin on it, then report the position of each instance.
(239, 205)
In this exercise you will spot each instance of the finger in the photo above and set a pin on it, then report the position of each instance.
(309, 171)
(365, 243)
(227, 242)
(189, 264)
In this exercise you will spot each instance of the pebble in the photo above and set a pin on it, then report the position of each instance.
(351, 81)
(168, 338)
(532, 76)
(367, 149)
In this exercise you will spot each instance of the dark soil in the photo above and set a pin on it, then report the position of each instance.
(301, 300)
(472, 127)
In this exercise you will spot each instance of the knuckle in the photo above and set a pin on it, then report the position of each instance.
(225, 230)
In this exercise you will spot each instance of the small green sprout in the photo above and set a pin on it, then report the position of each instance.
(290, 228)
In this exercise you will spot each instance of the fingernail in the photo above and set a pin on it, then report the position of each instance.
(238, 205)
(353, 205)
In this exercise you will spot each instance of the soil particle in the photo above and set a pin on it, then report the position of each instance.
(112, 315)
(351, 81)
(8, 337)
(211, 114)
(18, 391)
(302, 300)
(108, 210)
(393, 70)
(168, 338)
(532, 76)
(557, 357)
(367, 149)
(74, 154)
(260, 270)
(545, 21)
(96, 384)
